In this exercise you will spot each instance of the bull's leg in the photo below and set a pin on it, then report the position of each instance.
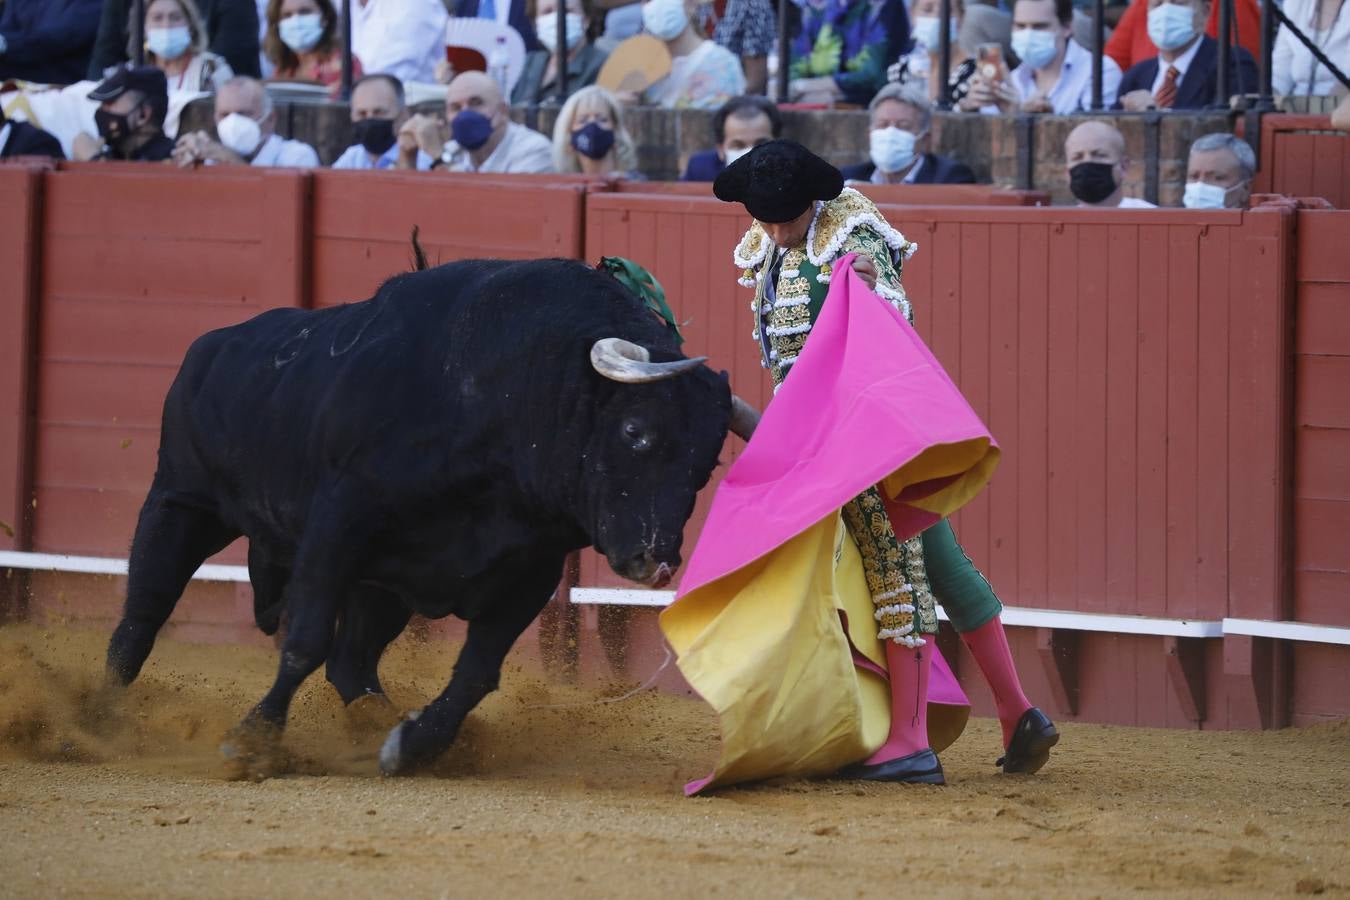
(371, 620)
(312, 598)
(171, 541)
(477, 671)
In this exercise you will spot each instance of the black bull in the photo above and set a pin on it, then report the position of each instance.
(438, 449)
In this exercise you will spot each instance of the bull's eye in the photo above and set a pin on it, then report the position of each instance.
(636, 435)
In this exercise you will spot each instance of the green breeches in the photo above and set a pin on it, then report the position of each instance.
(964, 593)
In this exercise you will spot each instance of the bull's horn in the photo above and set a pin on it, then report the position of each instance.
(744, 418)
(620, 360)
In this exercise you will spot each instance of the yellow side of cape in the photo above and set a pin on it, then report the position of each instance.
(765, 648)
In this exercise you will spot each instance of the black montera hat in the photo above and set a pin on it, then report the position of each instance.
(778, 181)
(148, 80)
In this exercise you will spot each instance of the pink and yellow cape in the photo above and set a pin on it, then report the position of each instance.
(756, 623)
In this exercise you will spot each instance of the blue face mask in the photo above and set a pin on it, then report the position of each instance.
(1171, 25)
(593, 140)
(470, 129)
(301, 33)
(168, 43)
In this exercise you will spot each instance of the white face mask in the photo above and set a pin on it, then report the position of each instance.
(1035, 48)
(302, 32)
(546, 26)
(927, 31)
(239, 133)
(1171, 25)
(733, 155)
(168, 43)
(891, 148)
(1202, 195)
(664, 19)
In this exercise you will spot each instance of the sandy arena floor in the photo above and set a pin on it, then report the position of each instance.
(584, 800)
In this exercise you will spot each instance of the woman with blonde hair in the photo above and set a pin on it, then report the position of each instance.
(175, 43)
(589, 136)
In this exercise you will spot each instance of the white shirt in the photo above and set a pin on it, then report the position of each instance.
(1072, 91)
(277, 151)
(1182, 63)
(4, 137)
(911, 177)
(1294, 70)
(522, 151)
(403, 38)
(1125, 203)
(356, 157)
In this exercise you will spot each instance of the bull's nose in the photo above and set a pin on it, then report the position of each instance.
(645, 569)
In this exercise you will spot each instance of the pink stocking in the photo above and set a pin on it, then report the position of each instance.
(989, 645)
(908, 672)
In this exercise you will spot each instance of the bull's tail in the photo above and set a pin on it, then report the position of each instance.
(419, 255)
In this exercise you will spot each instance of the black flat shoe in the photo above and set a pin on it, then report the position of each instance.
(917, 768)
(1030, 747)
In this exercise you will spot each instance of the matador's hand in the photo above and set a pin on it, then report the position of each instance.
(866, 271)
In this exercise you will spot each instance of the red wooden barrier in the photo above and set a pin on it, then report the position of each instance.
(1302, 156)
(362, 224)
(1322, 410)
(138, 261)
(20, 215)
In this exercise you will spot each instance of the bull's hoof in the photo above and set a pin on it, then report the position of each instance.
(371, 714)
(253, 752)
(392, 758)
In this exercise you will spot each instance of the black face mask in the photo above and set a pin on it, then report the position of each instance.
(376, 135)
(112, 127)
(1092, 182)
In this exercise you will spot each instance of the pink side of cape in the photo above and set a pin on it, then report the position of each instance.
(866, 397)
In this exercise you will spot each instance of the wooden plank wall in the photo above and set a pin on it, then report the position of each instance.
(362, 224)
(1322, 454)
(1303, 157)
(20, 210)
(137, 262)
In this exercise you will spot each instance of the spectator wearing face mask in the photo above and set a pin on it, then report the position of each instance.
(379, 112)
(1219, 173)
(1184, 74)
(900, 119)
(589, 136)
(969, 29)
(741, 125)
(130, 118)
(1055, 75)
(175, 41)
(482, 136)
(302, 43)
(231, 26)
(47, 41)
(539, 79)
(703, 75)
(245, 133)
(1094, 157)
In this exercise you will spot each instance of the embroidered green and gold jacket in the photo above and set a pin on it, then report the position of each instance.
(791, 285)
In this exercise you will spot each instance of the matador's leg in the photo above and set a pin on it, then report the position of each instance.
(903, 616)
(973, 609)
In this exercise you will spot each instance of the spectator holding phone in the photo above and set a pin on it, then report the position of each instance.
(1055, 75)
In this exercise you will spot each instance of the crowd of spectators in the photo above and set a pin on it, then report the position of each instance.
(1024, 57)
